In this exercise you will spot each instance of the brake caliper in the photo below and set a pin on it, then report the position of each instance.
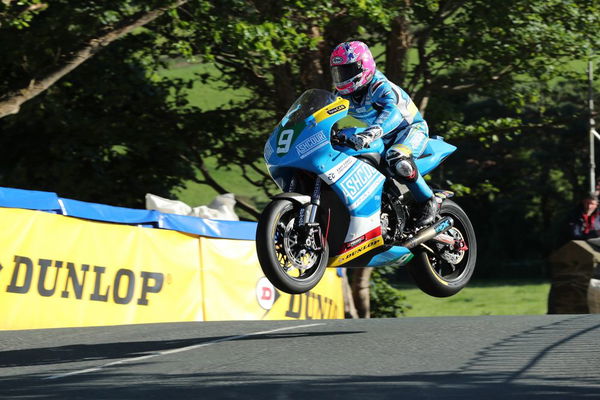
(313, 236)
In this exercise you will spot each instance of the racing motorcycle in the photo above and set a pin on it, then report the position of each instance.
(342, 207)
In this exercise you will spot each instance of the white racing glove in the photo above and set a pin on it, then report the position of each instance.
(365, 138)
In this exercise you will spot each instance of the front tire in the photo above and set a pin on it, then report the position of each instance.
(285, 258)
(440, 270)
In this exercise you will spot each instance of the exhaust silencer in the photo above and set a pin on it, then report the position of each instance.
(429, 233)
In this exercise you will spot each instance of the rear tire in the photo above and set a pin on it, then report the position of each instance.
(286, 261)
(439, 270)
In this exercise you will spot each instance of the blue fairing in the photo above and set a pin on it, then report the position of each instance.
(435, 152)
(302, 142)
(395, 255)
(305, 144)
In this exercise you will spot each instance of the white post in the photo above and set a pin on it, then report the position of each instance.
(592, 131)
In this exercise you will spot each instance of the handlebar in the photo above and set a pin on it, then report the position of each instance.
(340, 137)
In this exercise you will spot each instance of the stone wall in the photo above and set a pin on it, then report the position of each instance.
(572, 267)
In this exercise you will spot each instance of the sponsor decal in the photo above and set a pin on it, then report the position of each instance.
(441, 227)
(368, 193)
(331, 109)
(310, 305)
(357, 181)
(336, 109)
(301, 216)
(336, 172)
(47, 277)
(337, 60)
(268, 150)
(444, 194)
(355, 242)
(311, 144)
(265, 293)
(357, 251)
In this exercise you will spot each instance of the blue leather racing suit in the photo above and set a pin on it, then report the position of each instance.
(384, 104)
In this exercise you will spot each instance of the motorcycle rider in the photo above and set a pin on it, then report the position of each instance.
(390, 114)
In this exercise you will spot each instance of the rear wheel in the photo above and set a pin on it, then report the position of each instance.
(441, 269)
(292, 257)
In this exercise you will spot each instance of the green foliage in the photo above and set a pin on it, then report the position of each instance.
(107, 134)
(386, 301)
(19, 14)
(519, 175)
(500, 85)
(55, 29)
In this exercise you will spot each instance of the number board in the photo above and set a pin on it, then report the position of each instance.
(286, 136)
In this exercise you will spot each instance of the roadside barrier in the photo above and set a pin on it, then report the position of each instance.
(575, 278)
(65, 263)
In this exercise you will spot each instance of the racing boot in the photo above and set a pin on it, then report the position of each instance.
(429, 210)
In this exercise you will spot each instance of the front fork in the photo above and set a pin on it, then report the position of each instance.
(307, 218)
(315, 201)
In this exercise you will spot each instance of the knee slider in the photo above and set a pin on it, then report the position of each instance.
(401, 161)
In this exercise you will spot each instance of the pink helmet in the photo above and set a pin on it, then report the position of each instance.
(352, 66)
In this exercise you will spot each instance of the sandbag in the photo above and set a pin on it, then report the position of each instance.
(154, 202)
(222, 207)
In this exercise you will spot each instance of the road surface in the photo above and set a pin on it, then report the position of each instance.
(487, 357)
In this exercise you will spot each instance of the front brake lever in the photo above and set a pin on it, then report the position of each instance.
(338, 140)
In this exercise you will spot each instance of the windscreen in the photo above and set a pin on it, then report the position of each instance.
(310, 101)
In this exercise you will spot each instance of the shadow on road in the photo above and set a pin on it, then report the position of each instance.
(553, 361)
(123, 350)
(437, 385)
(564, 351)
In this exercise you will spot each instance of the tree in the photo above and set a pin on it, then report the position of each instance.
(106, 134)
(479, 76)
(529, 178)
(71, 47)
(435, 49)
(45, 46)
(18, 14)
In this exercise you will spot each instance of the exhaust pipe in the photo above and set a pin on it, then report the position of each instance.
(429, 233)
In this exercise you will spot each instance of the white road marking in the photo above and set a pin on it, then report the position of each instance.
(173, 351)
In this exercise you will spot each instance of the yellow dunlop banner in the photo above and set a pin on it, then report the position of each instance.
(57, 271)
(235, 288)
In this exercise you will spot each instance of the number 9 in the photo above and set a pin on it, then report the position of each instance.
(285, 141)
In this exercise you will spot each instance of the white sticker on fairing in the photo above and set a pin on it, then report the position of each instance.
(402, 260)
(335, 173)
(268, 150)
(311, 144)
(359, 185)
(285, 141)
(357, 181)
(367, 194)
(359, 226)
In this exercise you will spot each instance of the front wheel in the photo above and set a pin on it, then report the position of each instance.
(292, 257)
(440, 269)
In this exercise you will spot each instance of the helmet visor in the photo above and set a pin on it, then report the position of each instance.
(346, 72)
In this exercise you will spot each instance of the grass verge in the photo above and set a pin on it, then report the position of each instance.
(513, 297)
